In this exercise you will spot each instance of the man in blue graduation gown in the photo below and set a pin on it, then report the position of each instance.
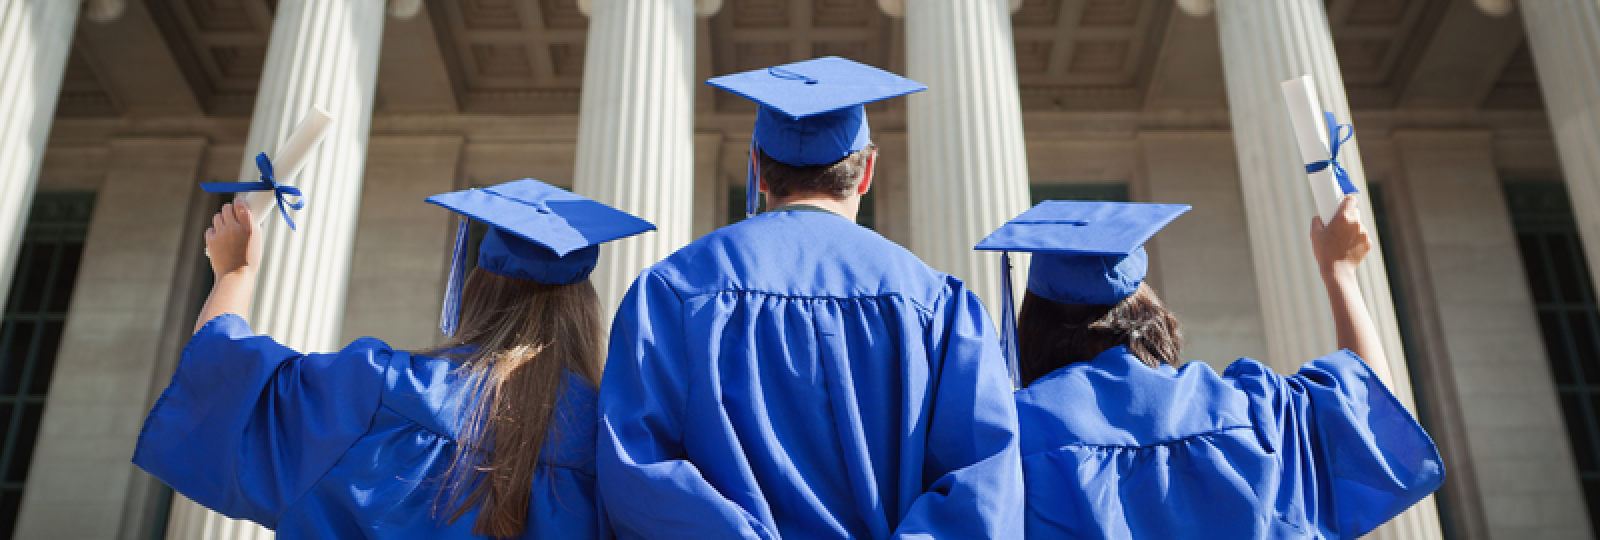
(797, 375)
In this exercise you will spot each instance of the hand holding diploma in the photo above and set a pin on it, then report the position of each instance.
(234, 244)
(234, 240)
(1340, 246)
(276, 175)
(1320, 136)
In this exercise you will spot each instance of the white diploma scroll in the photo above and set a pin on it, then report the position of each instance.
(289, 159)
(1305, 112)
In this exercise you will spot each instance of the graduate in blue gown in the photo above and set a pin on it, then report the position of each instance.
(492, 434)
(1120, 442)
(796, 375)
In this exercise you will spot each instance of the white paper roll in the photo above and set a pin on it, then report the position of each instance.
(289, 159)
(1305, 112)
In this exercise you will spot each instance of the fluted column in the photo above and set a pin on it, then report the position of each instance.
(321, 53)
(636, 129)
(1263, 44)
(35, 36)
(968, 163)
(1565, 40)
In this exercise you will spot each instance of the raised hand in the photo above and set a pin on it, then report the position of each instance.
(1343, 242)
(234, 239)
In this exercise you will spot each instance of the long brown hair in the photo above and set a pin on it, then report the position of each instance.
(1051, 334)
(525, 337)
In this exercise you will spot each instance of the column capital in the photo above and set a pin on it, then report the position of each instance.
(1495, 8)
(702, 8)
(404, 9)
(1197, 8)
(104, 11)
(897, 8)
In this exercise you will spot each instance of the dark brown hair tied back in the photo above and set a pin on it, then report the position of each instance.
(1052, 334)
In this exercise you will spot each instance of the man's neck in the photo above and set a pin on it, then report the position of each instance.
(847, 207)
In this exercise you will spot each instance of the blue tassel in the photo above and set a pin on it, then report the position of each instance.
(752, 184)
(1008, 322)
(450, 316)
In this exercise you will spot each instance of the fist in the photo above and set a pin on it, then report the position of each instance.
(234, 240)
(1344, 242)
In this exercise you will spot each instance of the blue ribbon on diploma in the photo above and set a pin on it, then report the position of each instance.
(1334, 142)
(268, 183)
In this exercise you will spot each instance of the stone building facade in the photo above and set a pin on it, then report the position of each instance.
(1477, 121)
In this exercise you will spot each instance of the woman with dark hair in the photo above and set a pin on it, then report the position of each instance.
(1118, 441)
(489, 435)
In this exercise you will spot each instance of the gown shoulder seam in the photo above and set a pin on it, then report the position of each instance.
(1169, 442)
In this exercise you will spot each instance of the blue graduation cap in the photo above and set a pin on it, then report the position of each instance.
(812, 111)
(1089, 253)
(537, 232)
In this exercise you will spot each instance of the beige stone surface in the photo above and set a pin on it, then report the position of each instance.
(113, 349)
(1203, 258)
(1504, 442)
(402, 248)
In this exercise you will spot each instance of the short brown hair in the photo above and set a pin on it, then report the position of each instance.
(837, 179)
(1052, 334)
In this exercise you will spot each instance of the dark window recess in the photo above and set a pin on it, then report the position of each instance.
(1109, 191)
(1563, 295)
(30, 331)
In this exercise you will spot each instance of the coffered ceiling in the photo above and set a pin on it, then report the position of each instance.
(511, 56)
(526, 56)
(752, 34)
(220, 45)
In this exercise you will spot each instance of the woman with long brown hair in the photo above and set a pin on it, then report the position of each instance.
(489, 435)
(1118, 441)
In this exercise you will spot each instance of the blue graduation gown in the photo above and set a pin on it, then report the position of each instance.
(352, 444)
(797, 375)
(1114, 449)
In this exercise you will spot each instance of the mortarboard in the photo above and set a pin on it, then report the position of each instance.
(537, 232)
(1084, 252)
(811, 112)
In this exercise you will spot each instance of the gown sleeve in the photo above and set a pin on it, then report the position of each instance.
(1359, 457)
(640, 454)
(972, 457)
(247, 425)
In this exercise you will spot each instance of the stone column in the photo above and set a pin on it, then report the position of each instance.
(322, 53)
(1565, 40)
(636, 128)
(121, 336)
(1263, 44)
(35, 36)
(1495, 409)
(968, 162)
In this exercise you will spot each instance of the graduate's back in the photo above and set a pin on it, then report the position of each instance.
(798, 375)
(1117, 443)
(491, 434)
(1113, 448)
(354, 444)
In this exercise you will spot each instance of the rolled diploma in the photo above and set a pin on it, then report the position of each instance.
(289, 159)
(1305, 112)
